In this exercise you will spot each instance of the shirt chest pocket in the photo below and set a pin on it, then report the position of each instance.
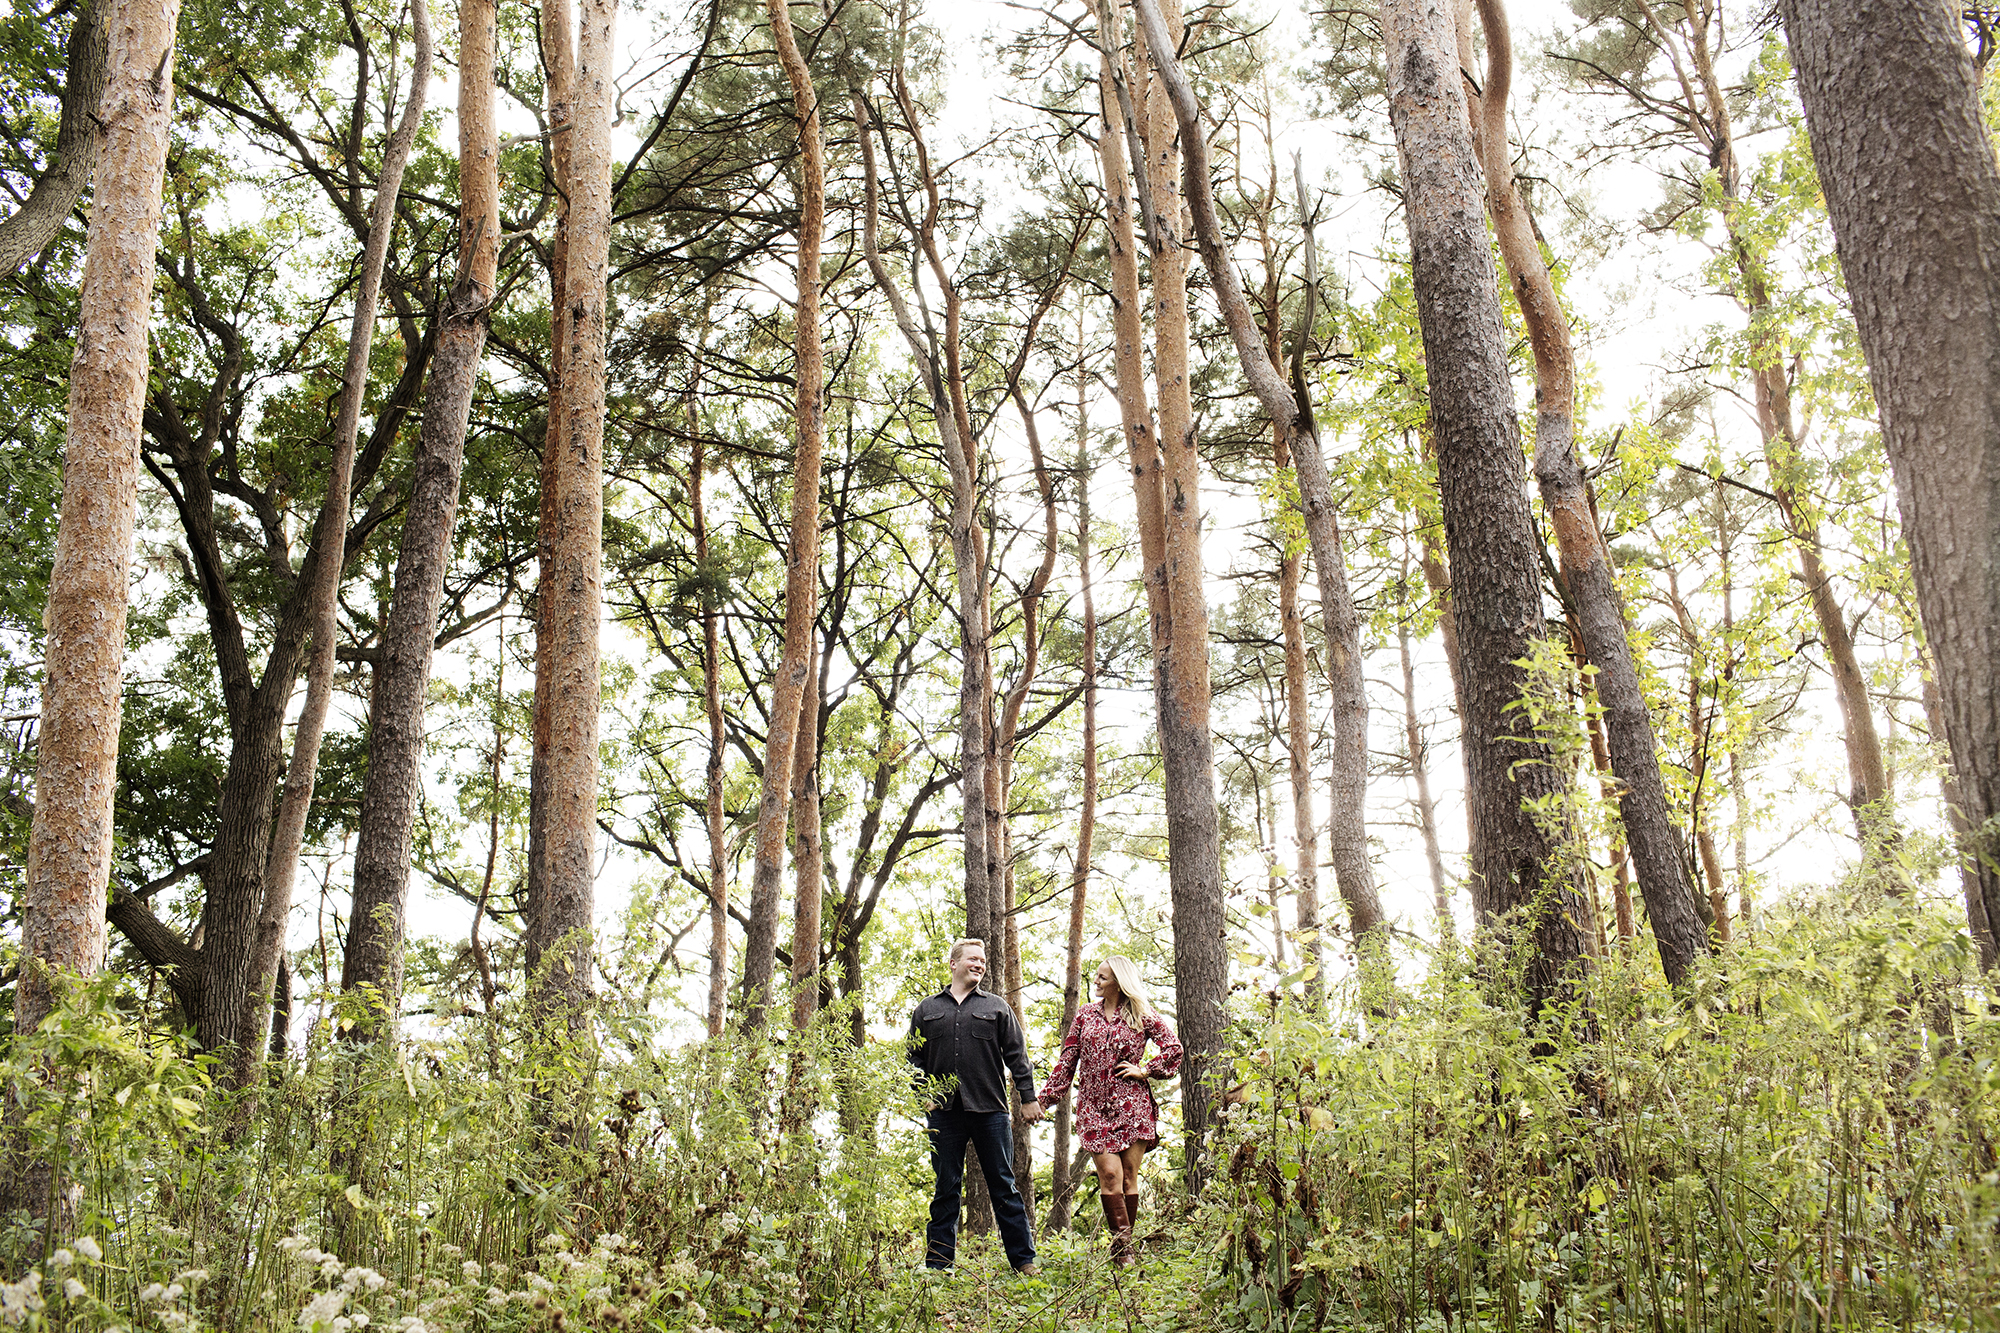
(984, 1028)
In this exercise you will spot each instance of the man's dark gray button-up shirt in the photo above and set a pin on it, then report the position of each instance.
(978, 1042)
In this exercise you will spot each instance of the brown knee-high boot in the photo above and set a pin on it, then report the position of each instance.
(1132, 1219)
(1120, 1226)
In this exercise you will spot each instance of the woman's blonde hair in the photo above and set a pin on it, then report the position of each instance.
(1131, 990)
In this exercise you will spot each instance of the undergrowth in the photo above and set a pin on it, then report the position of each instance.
(1802, 1140)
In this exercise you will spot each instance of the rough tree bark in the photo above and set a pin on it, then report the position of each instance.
(802, 559)
(1657, 850)
(76, 769)
(1166, 486)
(572, 585)
(322, 595)
(559, 65)
(1892, 107)
(1517, 863)
(28, 229)
(374, 953)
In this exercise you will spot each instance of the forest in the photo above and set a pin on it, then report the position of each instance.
(561, 556)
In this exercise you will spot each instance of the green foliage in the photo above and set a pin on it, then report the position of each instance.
(1784, 1146)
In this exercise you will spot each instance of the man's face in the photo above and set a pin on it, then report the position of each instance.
(970, 966)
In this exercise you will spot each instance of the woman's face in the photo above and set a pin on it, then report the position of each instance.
(1107, 984)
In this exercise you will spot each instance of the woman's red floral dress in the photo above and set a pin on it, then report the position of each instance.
(1112, 1113)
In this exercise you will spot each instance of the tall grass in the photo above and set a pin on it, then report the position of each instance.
(1786, 1146)
(1804, 1139)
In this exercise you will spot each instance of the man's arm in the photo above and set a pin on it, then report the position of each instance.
(1014, 1050)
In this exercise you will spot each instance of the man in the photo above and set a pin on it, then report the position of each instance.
(965, 1034)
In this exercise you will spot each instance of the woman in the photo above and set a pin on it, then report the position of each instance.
(1116, 1117)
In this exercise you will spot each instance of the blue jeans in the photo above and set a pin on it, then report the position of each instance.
(992, 1134)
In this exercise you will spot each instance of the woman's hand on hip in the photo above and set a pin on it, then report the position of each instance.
(1135, 1071)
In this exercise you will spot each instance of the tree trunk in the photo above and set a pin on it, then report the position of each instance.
(1892, 106)
(711, 679)
(1977, 921)
(1168, 493)
(808, 859)
(374, 953)
(322, 596)
(559, 59)
(1420, 776)
(29, 229)
(571, 589)
(1062, 1200)
(1347, 831)
(1517, 864)
(1657, 850)
(788, 688)
(975, 693)
(76, 770)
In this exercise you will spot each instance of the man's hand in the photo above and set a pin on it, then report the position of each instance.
(1032, 1111)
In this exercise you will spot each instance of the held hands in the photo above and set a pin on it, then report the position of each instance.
(1032, 1111)
(1135, 1071)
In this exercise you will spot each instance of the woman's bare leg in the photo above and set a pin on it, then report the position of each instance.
(1110, 1172)
(1129, 1163)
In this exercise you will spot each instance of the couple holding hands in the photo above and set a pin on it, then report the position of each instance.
(967, 1034)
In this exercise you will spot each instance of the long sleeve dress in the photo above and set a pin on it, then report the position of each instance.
(1112, 1113)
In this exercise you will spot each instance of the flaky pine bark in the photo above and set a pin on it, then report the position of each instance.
(1656, 848)
(1166, 488)
(28, 229)
(1347, 830)
(572, 584)
(1892, 107)
(975, 691)
(559, 63)
(711, 687)
(374, 953)
(76, 769)
(70, 843)
(788, 688)
(1517, 863)
(322, 593)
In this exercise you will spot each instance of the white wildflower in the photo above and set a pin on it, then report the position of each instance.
(88, 1247)
(194, 1277)
(470, 1268)
(373, 1280)
(322, 1310)
(173, 1319)
(151, 1292)
(61, 1259)
(341, 1325)
(331, 1268)
(73, 1289)
(611, 1241)
(684, 1269)
(552, 1241)
(495, 1297)
(536, 1282)
(450, 1251)
(173, 1292)
(696, 1315)
(360, 1318)
(294, 1244)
